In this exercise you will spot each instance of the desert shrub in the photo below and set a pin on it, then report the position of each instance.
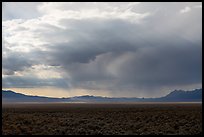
(106, 121)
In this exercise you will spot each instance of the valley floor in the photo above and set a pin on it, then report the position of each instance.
(105, 119)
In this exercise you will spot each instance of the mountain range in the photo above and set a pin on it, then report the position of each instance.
(174, 96)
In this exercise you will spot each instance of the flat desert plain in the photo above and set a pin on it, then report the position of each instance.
(102, 119)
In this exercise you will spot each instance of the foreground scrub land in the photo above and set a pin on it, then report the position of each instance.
(105, 119)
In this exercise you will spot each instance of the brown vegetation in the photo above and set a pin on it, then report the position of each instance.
(105, 119)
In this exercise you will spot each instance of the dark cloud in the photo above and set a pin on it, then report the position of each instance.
(163, 50)
(14, 61)
(32, 82)
(166, 66)
(150, 61)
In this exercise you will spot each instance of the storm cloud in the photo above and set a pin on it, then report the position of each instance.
(137, 49)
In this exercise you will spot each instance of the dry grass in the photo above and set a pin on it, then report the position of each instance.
(105, 119)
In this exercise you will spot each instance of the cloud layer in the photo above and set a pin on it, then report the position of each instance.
(139, 49)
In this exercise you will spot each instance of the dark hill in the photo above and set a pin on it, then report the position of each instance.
(175, 96)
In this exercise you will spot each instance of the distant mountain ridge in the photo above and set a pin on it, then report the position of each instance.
(11, 96)
(174, 96)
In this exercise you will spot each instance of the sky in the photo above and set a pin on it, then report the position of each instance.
(114, 49)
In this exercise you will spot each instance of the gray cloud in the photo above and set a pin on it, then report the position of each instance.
(151, 61)
(163, 66)
(15, 62)
(19, 12)
(163, 50)
(32, 82)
